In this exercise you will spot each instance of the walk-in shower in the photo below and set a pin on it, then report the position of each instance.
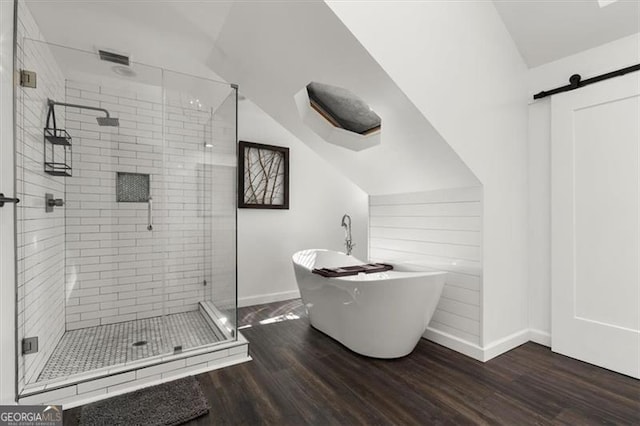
(130, 257)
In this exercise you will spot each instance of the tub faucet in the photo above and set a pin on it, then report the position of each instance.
(348, 242)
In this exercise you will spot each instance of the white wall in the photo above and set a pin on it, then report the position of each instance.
(319, 196)
(7, 255)
(608, 57)
(464, 73)
(440, 229)
(539, 226)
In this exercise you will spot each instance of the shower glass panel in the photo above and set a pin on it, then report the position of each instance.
(221, 199)
(135, 261)
(200, 138)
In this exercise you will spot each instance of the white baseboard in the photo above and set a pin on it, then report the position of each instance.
(541, 337)
(268, 298)
(455, 343)
(505, 344)
(491, 350)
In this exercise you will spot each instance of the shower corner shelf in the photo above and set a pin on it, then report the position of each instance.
(52, 164)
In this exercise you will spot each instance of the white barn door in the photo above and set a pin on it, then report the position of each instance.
(595, 224)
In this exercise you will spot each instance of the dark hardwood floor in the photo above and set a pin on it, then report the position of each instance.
(301, 376)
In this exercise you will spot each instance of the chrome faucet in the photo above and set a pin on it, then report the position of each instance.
(348, 242)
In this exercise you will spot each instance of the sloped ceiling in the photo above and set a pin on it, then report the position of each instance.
(545, 31)
(274, 49)
(176, 34)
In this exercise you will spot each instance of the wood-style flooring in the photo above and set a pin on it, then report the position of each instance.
(300, 376)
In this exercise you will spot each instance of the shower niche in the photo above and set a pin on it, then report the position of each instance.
(132, 187)
(137, 268)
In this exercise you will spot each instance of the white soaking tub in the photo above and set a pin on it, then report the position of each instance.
(381, 315)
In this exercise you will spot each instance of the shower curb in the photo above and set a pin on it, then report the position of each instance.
(147, 374)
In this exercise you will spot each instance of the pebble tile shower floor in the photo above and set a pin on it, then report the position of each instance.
(91, 348)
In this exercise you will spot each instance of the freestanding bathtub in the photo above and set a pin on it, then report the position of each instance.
(381, 315)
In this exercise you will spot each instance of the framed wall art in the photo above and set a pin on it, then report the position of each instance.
(263, 176)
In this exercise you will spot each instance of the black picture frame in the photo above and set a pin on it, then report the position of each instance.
(263, 176)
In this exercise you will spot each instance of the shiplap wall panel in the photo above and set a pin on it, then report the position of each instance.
(465, 238)
(457, 321)
(440, 229)
(438, 196)
(471, 297)
(459, 209)
(453, 251)
(470, 268)
(416, 222)
(460, 334)
(471, 282)
(459, 308)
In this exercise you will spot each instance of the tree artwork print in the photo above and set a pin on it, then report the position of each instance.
(263, 176)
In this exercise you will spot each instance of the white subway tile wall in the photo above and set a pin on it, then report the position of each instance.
(118, 270)
(441, 229)
(40, 242)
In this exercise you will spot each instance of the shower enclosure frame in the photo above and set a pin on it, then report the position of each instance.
(18, 346)
(18, 343)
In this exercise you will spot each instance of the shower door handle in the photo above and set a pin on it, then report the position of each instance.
(4, 199)
(150, 214)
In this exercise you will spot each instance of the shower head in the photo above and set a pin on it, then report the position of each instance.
(108, 121)
(102, 121)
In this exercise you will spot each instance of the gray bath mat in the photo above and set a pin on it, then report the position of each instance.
(171, 403)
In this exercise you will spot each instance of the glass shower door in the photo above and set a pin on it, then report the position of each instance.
(199, 216)
(41, 239)
(222, 162)
(91, 270)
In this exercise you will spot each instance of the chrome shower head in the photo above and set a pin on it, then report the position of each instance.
(108, 121)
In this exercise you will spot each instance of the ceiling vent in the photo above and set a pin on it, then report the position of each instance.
(113, 57)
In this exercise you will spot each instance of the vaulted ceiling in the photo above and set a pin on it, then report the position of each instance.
(176, 34)
(185, 30)
(545, 31)
(274, 49)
